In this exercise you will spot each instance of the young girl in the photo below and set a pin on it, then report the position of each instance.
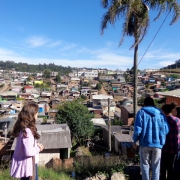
(23, 160)
(170, 149)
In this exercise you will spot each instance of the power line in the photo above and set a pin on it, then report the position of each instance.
(153, 39)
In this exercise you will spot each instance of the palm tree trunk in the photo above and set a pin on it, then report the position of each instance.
(135, 78)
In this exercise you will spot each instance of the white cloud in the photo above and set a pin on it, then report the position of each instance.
(99, 58)
(109, 43)
(56, 43)
(68, 46)
(165, 63)
(36, 41)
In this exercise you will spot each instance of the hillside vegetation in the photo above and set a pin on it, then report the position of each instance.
(25, 67)
(177, 70)
(44, 174)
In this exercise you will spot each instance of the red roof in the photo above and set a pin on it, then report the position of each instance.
(28, 87)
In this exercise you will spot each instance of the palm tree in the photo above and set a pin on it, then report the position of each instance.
(136, 22)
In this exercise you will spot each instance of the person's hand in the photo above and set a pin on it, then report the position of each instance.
(40, 146)
(134, 146)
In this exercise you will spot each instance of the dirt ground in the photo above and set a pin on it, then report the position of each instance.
(5, 87)
(102, 91)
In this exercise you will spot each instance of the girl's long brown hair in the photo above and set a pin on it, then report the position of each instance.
(167, 108)
(26, 119)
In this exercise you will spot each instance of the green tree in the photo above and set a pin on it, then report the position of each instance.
(83, 97)
(98, 86)
(78, 118)
(47, 73)
(127, 77)
(175, 76)
(136, 21)
(28, 79)
(58, 78)
(37, 85)
(117, 122)
(163, 83)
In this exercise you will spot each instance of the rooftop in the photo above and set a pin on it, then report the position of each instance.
(174, 93)
(101, 96)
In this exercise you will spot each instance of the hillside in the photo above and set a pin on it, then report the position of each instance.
(25, 67)
(177, 70)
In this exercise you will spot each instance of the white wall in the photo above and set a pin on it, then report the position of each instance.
(46, 155)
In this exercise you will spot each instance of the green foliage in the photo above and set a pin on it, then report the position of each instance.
(141, 101)
(147, 86)
(163, 83)
(45, 86)
(83, 97)
(4, 173)
(175, 76)
(98, 86)
(20, 99)
(117, 121)
(58, 78)
(159, 102)
(28, 79)
(100, 165)
(2, 85)
(50, 174)
(45, 119)
(43, 173)
(127, 77)
(47, 73)
(78, 118)
(24, 67)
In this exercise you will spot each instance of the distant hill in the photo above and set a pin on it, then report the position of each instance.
(176, 65)
(25, 67)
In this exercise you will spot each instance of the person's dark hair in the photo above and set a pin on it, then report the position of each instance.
(148, 101)
(26, 119)
(178, 111)
(167, 108)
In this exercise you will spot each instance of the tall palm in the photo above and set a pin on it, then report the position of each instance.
(136, 22)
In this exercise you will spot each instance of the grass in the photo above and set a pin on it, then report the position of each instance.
(50, 174)
(43, 173)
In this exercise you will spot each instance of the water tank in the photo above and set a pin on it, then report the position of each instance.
(41, 109)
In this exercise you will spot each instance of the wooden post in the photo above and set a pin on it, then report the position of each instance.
(109, 127)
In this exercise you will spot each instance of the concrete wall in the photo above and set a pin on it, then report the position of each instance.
(46, 155)
(124, 115)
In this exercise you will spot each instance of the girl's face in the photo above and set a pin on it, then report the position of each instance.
(36, 115)
(174, 112)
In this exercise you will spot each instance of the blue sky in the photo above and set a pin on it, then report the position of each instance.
(68, 34)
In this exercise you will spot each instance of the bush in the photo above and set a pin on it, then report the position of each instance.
(89, 166)
(20, 99)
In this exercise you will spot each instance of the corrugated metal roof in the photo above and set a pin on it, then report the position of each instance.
(51, 127)
(100, 121)
(53, 136)
(9, 93)
(101, 96)
(114, 129)
(174, 93)
(130, 108)
(56, 140)
(123, 137)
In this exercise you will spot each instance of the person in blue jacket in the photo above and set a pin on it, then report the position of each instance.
(150, 130)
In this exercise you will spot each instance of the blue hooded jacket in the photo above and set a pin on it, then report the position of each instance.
(150, 127)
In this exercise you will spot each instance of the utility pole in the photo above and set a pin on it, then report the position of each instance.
(109, 127)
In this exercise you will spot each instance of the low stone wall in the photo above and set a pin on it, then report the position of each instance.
(97, 160)
(57, 163)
